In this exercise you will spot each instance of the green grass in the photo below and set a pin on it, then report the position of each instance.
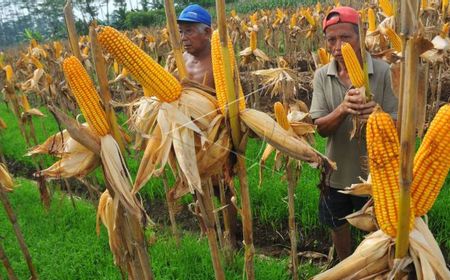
(63, 245)
(268, 207)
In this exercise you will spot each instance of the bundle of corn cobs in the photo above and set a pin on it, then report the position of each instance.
(374, 257)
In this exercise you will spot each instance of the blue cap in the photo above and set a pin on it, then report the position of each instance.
(196, 14)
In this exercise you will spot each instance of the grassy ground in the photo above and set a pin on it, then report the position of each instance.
(63, 245)
(68, 238)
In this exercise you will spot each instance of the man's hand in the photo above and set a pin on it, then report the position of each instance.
(366, 110)
(353, 102)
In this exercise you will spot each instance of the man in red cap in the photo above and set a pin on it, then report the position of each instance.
(334, 103)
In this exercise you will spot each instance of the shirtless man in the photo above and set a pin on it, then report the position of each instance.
(195, 30)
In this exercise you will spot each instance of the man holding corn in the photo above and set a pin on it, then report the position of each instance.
(335, 102)
(195, 30)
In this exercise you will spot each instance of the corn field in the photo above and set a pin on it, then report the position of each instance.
(263, 64)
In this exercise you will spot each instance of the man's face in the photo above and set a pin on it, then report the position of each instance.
(338, 34)
(194, 38)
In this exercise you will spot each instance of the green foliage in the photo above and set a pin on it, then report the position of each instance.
(29, 34)
(137, 19)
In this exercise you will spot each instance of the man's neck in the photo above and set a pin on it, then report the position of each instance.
(205, 53)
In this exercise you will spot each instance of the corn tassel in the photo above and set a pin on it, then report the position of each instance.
(394, 38)
(281, 116)
(354, 69)
(87, 97)
(383, 152)
(324, 56)
(386, 7)
(144, 69)
(431, 163)
(219, 72)
(372, 20)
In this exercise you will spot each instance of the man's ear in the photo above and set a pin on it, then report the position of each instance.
(208, 31)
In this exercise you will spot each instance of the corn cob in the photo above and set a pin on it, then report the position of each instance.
(219, 72)
(253, 40)
(444, 7)
(146, 71)
(58, 49)
(281, 116)
(25, 104)
(354, 69)
(36, 62)
(9, 72)
(87, 98)
(383, 152)
(444, 30)
(431, 163)
(386, 7)
(318, 7)
(309, 18)
(394, 38)
(372, 20)
(324, 56)
(424, 4)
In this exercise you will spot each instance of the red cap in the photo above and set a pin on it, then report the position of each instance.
(339, 15)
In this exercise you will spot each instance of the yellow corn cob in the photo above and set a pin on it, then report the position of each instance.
(310, 18)
(9, 72)
(372, 20)
(394, 38)
(143, 68)
(281, 116)
(253, 40)
(383, 153)
(36, 62)
(337, 3)
(254, 18)
(386, 7)
(293, 21)
(219, 72)
(424, 4)
(86, 50)
(318, 7)
(324, 56)
(354, 69)
(33, 43)
(431, 163)
(25, 104)
(444, 30)
(58, 49)
(87, 98)
(444, 7)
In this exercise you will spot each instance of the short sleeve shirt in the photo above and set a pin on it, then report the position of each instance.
(328, 93)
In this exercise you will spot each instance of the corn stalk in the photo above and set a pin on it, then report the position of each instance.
(408, 115)
(23, 246)
(7, 264)
(292, 177)
(175, 39)
(71, 30)
(233, 116)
